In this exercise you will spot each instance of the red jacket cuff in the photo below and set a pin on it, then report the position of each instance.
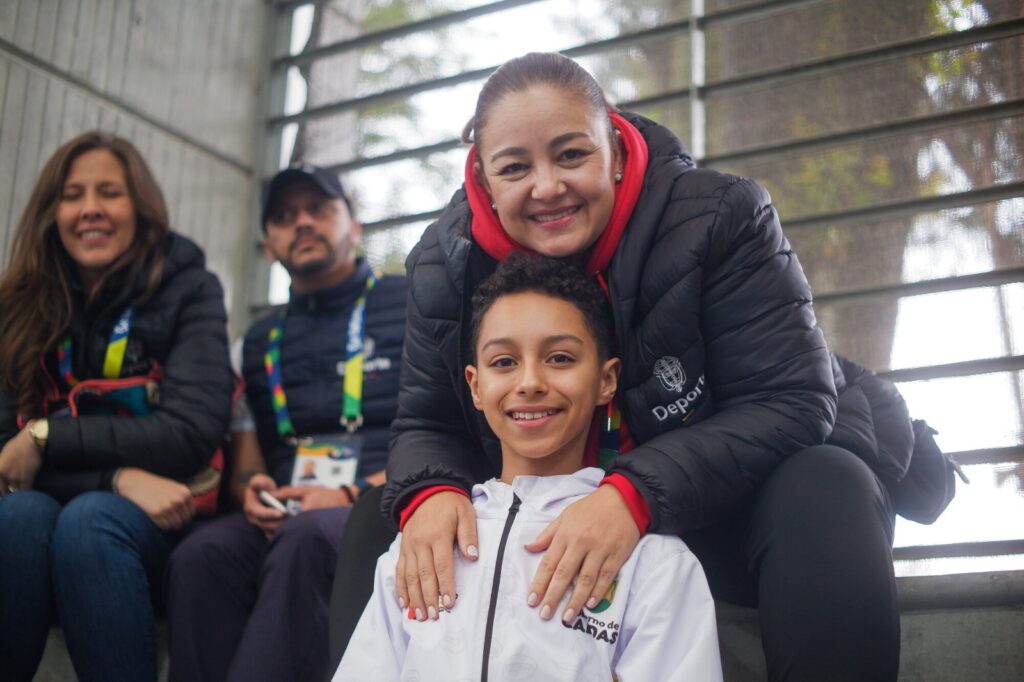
(421, 497)
(634, 500)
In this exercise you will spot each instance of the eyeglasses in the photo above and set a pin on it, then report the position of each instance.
(286, 216)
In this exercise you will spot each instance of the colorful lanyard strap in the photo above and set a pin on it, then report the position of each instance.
(352, 404)
(610, 437)
(113, 361)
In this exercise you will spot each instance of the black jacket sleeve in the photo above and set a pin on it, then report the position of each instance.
(431, 443)
(872, 421)
(767, 367)
(179, 437)
(64, 484)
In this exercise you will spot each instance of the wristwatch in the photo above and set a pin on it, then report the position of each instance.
(39, 431)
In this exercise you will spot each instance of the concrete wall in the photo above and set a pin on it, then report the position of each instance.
(180, 79)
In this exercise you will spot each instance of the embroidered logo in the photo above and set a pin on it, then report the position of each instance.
(600, 630)
(606, 600)
(684, 406)
(670, 373)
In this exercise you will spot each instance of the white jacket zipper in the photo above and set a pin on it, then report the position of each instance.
(489, 630)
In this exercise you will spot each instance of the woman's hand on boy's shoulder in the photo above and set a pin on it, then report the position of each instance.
(425, 572)
(588, 542)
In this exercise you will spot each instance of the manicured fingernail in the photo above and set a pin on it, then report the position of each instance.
(447, 601)
(592, 602)
(432, 613)
(545, 612)
(568, 616)
(419, 614)
(532, 599)
(401, 603)
(471, 551)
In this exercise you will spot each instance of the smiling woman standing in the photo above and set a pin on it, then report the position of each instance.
(725, 400)
(115, 389)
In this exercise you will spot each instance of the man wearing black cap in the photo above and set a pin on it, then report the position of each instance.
(316, 247)
(248, 593)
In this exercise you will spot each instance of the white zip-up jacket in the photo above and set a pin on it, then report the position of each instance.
(657, 622)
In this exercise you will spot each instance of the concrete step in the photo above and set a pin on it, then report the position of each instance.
(954, 628)
(56, 664)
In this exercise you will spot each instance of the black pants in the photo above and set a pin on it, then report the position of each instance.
(242, 608)
(367, 535)
(812, 553)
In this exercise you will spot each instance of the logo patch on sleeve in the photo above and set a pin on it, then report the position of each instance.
(670, 373)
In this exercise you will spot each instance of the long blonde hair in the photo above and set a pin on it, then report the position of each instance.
(36, 302)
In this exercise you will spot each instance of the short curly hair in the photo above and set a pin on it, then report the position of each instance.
(520, 273)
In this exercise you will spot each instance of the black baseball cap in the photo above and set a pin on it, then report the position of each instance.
(325, 180)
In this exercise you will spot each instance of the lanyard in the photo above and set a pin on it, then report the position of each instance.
(610, 438)
(112, 361)
(352, 403)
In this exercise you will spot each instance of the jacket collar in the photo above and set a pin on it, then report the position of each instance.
(333, 299)
(542, 497)
(180, 253)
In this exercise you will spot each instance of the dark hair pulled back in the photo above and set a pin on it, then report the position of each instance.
(535, 68)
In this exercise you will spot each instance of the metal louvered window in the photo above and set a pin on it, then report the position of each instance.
(890, 135)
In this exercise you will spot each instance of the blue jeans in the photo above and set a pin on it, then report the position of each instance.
(95, 561)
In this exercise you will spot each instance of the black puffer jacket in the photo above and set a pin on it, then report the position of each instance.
(183, 328)
(872, 421)
(716, 328)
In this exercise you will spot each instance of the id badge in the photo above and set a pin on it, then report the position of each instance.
(330, 460)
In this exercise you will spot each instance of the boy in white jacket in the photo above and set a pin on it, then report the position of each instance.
(542, 336)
